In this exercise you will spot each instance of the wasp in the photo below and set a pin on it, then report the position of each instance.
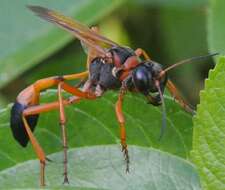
(110, 66)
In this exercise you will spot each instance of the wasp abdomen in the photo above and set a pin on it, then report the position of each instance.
(17, 125)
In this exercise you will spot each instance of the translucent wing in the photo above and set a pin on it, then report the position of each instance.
(91, 52)
(87, 36)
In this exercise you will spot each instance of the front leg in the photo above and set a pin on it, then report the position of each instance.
(176, 95)
(121, 120)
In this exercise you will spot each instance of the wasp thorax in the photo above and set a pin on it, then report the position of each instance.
(145, 76)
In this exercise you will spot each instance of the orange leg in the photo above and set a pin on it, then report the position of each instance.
(39, 151)
(81, 75)
(31, 94)
(76, 92)
(174, 92)
(78, 95)
(48, 107)
(121, 120)
(139, 52)
(52, 81)
(64, 136)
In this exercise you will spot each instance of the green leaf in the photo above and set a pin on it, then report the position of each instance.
(27, 40)
(94, 123)
(102, 167)
(209, 130)
(216, 27)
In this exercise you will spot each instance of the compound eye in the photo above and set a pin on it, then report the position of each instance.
(142, 78)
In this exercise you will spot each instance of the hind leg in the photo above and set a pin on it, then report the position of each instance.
(38, 150)
(78, 94)
(64, 136)
(24, 117)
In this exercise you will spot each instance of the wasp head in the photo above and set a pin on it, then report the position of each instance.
(147, 76)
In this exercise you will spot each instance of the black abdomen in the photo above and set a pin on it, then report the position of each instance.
(17, 125)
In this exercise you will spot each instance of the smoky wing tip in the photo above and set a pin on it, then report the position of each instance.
(38, 9)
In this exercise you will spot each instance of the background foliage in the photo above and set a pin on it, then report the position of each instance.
(170, 31)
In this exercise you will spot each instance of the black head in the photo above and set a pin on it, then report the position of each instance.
(145, 76)
(149, 77)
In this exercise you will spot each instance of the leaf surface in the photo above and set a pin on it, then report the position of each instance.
(102, 167)
(94, 123)
(209, 130)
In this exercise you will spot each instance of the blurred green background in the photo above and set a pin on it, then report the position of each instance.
(169, 31)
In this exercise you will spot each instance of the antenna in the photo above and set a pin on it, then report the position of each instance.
(163, 110)
(189, 60)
